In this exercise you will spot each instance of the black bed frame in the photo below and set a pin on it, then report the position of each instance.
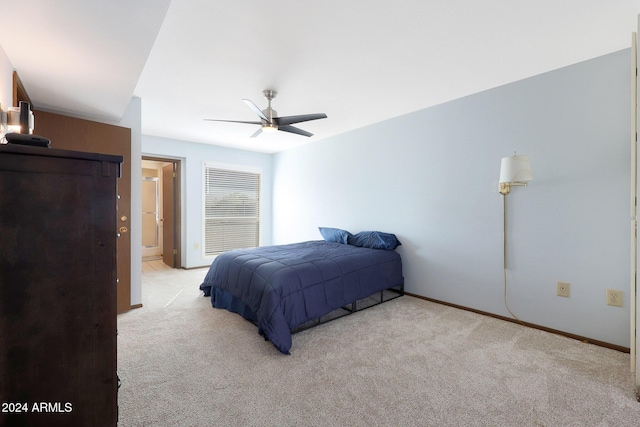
(359, 305)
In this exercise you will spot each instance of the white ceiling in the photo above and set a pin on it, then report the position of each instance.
(358, 61)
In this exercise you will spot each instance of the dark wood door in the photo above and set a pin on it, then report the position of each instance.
(70, 133)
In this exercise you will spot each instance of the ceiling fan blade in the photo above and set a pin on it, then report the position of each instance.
(291, 129)
(233, 121)
(289, 120)
(256, 133)
(256, 110)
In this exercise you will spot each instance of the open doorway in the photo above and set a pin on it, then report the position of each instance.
(161, 212)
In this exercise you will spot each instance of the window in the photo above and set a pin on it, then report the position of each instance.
(231, 210)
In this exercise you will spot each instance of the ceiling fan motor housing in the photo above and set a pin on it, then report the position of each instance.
(269, 126)
(270, 113)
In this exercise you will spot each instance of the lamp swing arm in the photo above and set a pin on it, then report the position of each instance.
(505, 187)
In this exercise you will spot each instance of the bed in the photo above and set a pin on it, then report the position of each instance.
(288, 287)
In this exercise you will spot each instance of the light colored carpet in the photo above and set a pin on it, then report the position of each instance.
(407, 362)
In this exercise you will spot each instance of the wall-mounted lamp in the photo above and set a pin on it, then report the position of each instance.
(514, 170)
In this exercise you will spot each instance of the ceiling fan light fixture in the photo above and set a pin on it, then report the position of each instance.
(269, 128)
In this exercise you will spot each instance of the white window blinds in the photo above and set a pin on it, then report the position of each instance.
(232, 210)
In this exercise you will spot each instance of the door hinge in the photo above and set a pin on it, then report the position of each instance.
(175, 252)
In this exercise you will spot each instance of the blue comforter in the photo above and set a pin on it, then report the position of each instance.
(282, 287)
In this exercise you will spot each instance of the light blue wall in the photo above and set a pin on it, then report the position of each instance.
(193, 156)
(431, 177)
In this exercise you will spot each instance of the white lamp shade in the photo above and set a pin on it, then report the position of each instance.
(515, 169)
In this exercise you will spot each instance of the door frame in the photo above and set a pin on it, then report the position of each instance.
(177, 205)
(633, 293)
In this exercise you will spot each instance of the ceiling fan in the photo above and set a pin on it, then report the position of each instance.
(269, 122)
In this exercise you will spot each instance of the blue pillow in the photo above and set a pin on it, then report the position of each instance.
(374, 240)
(335, 235)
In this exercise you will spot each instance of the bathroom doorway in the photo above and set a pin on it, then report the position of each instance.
(161, 211)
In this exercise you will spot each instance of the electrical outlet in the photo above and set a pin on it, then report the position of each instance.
(614, 298)
(563, 289)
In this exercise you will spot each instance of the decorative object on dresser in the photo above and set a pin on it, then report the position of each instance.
(58, 279)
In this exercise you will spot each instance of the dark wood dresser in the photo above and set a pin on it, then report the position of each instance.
(58, 212)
